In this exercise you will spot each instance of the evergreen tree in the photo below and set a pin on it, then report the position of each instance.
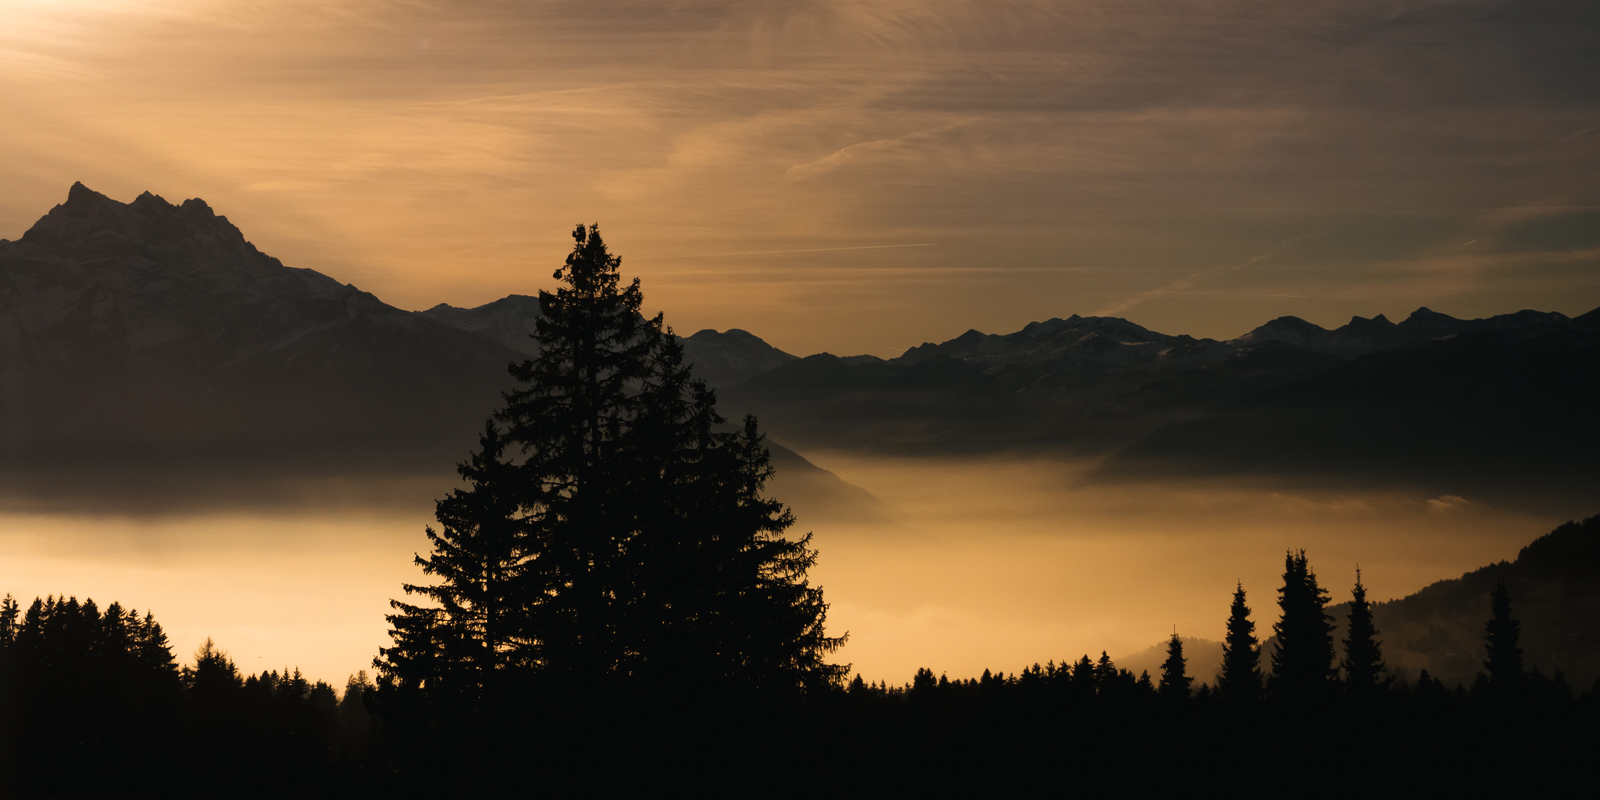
(458, 650)
(1500, 636)
(1302, 666)
(1241, 677)
(1175, 679)
(622, 528)
(1105, 672)
(1363, 658)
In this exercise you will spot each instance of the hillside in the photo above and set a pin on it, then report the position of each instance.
(152, 358)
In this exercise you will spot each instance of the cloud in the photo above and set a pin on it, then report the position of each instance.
(1448, 503)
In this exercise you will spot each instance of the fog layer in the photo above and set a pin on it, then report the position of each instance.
(988, 564)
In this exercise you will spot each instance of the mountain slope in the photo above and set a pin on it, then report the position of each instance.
(151, 331)
(1554, 584)
(150, 356)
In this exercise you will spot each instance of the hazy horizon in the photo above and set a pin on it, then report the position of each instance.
(990, 563)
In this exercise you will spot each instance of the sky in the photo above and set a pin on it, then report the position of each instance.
(847, 175)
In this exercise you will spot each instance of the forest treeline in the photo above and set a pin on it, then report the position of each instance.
(95, 704)
(611, 603)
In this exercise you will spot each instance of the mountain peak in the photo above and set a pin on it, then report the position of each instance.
(81, 195)
(92, 224)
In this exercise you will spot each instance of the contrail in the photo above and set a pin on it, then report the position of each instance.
(775, 252)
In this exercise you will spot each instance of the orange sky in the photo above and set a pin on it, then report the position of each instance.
(849, 176)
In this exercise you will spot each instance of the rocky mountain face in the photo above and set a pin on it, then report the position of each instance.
(149, 354)
(153, 333)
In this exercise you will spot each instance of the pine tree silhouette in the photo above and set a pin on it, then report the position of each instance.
(1175, 679)
(1363, 657)
(1241, 679)
(459, 650)
(1500, 637)
(1302, 665)
(614, 530)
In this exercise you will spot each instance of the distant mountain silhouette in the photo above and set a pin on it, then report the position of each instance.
(149, 333)
(721, 358)
(1500, 406)
(149, 354)
(509, 320)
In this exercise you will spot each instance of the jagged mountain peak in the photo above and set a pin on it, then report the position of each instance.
(93, 228)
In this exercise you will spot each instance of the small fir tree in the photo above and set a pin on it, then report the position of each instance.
(1500, 637)
(1175, 678)
(1363, 657)
(1241, 677)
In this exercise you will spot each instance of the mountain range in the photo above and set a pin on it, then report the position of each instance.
(150, 339)
(1502, 406)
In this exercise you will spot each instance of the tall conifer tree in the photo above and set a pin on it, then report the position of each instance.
(1363, 657)
(1241, 677)
(1302, 666)
(628, 526)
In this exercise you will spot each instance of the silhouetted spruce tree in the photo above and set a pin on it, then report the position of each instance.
(1240, 681)
(1105, 672)
(456, 652)
(1175, 678)
(637, 544)
(1302, 666)
(1500, 636)
(1363, 657)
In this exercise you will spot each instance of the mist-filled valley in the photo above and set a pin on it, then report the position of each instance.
(973, 564)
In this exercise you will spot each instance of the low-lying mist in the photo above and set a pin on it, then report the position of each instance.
(998, 564)
(991, 563)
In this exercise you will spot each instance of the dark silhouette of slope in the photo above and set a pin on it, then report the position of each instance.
(1500, 412)
(1555, 591)
(509, 320)
(725, 358)
(823, 400)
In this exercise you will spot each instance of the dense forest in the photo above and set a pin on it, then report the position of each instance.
(96, 705)
(612, 603)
